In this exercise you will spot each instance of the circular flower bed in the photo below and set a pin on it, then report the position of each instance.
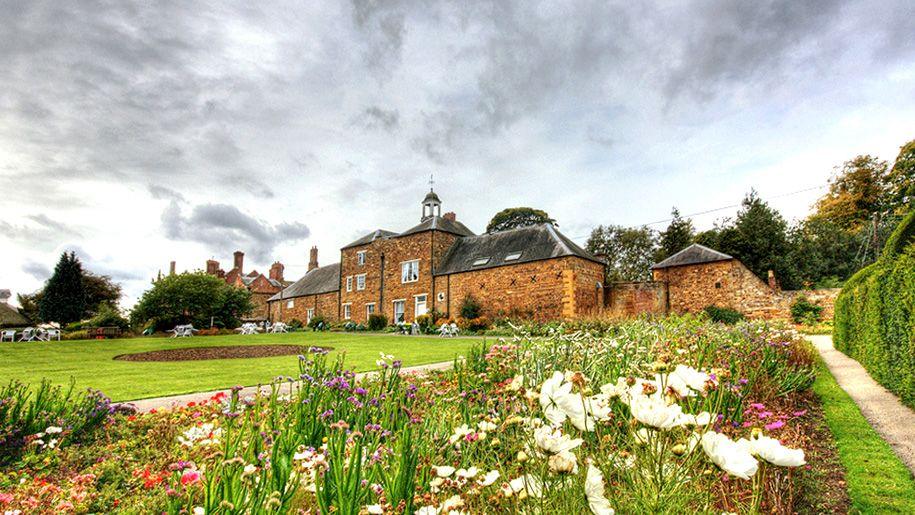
(217, 352)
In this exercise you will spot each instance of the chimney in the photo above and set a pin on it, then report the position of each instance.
(450, 216)
(313, 259)
(212, 267)
(171, 268)
(276, 271)
(239, 260)
(773, 282)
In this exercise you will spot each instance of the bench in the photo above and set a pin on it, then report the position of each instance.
(100, 333)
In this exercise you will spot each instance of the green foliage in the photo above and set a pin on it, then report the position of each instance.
(64, 298)
(295, 324)
(903, 236)
(678, 235)
(109, 316)
(629, 251)
(874, 320)
(471, 307)
(195, 298)
(377, 322)
(319, 322)
(857, 192)
(100, 291)
(901, 179)
(724, 315)
(514, 217)
(426, 323)
(805, 312)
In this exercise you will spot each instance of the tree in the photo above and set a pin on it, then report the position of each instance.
(194, 298)
(629, 251)
(901, 180)
(28, 305)
(857, 192)
(678, 235)
(100, 291)
(824, 254)
(515, 217)
(758, 237)
(64, 297)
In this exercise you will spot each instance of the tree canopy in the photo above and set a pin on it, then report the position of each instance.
(100, 291)
(64, 298)
(901, 180)
(515, 217)
(629, 251)
(858, 191)
(678, 235)
(195, 298)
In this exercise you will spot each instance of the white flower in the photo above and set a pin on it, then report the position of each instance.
(774, 452)
(594, 491)
(489, 478)
(452, 503)
(198, 510)
(204, 434)
(516, 384)
(642, 435)
(524, 486)
(427, 510)
(622, 462)
(686, 381)
(443, 471)
(249, 469)
(466, 473)
(552, 392)
(53, 430)
(459, 433)
(485, 426)
(563, 462)
(374, 509)
(615, 390)
(553, 441)
(730, 456)
(654, 412)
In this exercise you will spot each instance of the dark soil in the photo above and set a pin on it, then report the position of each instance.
(219, 352)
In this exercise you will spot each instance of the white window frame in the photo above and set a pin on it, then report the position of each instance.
(358, 278)
(290, 303)
(403, 302)
(405, 266)
(513, 256)
(309, 314)
(480, 261)
(360, 258)
(348, 311)
(416, 298)
(349, 283)
(369, 312)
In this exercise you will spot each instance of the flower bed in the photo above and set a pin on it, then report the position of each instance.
(671, 416)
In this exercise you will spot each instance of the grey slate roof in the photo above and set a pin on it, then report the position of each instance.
(439, 224)
(323, 279)
(377, 234)
(248, 279)
(535, 243)
(693, 255)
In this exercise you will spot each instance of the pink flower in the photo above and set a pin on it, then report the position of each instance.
(775, 425)
(6, 498)
(765, 414)
(758, 406)
(800, 413)
(190, 477)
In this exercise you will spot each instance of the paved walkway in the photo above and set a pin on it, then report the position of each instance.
(894, 421)
(158, 403)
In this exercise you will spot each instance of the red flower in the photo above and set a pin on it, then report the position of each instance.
(190, 477)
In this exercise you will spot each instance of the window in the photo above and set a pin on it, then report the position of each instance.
(349, 283)
(360, 282)
(419, 307)
(360, 257)
(481, 261)
(347, 311)
(514, 256)
(290, 304)
(369, 309)
(399, 307)
(409, 271)
(441, 296)
(309, 314)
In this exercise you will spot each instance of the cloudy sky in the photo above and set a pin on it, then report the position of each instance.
(141, 132)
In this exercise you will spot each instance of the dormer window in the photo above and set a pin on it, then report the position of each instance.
(514, 256)
(481, 261)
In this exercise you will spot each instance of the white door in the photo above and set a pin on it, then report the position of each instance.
(420, 307)
(309, 314)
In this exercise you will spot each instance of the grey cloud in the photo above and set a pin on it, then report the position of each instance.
(222, 227)
(163, 193)
(36, 270)
(374, 118)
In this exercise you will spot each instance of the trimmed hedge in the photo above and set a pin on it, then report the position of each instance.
(875, 315)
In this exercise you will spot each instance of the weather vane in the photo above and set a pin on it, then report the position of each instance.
(431, 182)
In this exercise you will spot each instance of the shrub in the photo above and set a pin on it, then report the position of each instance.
(724, 315)
(319, 323)
(351, 326)
(82, 334)
(377, 322)
(108, 316)
(295, 324)
(805, 312)
(874, 321)
(470, 308)
(426, 323)
(474, 324)
(191, 298)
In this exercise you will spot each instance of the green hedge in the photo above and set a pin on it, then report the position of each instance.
(874, 321)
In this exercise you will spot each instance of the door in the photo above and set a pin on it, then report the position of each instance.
(420, 307)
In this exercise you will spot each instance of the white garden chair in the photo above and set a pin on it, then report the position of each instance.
(454, 329)
(444, 331)
(28, 334)
(8, 334)
(183, 331)
(52, 334)
(248, 328)
(279, 327)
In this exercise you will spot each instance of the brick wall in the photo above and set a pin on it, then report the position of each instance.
(536, 290)
(635, 298)
(324, 304)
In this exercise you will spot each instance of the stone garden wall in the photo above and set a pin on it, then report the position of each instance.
(630, 299)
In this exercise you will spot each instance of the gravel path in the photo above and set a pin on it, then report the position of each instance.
(159, 403)
(894, 421)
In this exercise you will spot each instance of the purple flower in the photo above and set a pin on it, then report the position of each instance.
(360, 391)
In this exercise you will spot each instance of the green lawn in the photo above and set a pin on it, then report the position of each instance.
(878, 482)
(90, 362)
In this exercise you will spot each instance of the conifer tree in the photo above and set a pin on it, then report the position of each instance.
(678, 235)
(64, 298)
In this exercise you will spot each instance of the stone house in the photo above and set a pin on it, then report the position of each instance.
(261, 286)
(697, 277)
(534, 272)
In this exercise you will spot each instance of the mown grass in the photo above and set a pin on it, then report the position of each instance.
(878, 482)
(90, 363)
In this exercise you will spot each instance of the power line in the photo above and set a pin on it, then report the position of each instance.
(732, 206)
